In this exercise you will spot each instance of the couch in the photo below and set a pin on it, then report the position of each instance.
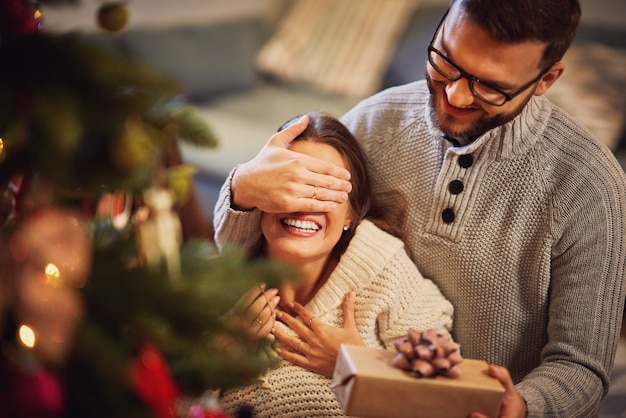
(230, 75)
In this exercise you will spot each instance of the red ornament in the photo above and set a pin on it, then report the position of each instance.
(19, 18)
(34, 392)
(207, 407)
(9, 202)
(151, 379)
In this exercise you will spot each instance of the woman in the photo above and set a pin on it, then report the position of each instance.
(351, 251)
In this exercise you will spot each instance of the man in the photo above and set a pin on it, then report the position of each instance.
(514, 209)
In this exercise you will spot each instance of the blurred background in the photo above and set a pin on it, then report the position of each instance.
(610, 13)
(249, 65)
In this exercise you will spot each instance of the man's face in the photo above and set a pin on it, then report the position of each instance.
(457, 111)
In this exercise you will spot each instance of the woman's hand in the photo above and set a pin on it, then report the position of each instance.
(513, 405)
(257, 312)
(317, 344)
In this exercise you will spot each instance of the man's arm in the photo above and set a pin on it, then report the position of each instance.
(586, 298)
(235, 227)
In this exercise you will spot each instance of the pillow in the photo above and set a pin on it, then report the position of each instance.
(338, 46)
(207, 60)
(592, 89)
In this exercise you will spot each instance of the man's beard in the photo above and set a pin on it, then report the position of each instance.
(478, 127)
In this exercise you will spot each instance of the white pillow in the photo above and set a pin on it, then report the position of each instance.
(338, 46)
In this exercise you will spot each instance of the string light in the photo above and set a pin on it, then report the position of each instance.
(27, 336)
(53, 274)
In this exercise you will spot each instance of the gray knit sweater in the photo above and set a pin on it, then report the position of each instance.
(523, 230)
(391, 296)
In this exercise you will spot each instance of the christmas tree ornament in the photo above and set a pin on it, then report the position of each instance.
(151, 379)
(160, 235)
(35, 391)
(10, 198)
(55, 236)
(117, 208)
(207, 407)
(19, 18)
(113, 16)
(52, 252)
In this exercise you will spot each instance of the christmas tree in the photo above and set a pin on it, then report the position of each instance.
(105, 308)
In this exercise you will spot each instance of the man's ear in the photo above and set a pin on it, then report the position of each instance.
(549, 78)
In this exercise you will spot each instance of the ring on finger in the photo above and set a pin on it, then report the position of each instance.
(259, 322)
(311, 320)
(297, 350)
(315, 189)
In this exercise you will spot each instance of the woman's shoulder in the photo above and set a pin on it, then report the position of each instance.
(367, 233)
(374, 247)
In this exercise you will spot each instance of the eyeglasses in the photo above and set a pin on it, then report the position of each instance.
(486, 92)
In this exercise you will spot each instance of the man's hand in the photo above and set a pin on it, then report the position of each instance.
(278, 180)
(513, 405)
(317, 344)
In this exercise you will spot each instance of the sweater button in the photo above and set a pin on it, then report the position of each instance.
(448, 215)
(466, 160)
(455, 186)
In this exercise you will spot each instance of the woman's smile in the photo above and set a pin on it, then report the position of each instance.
(299, 225)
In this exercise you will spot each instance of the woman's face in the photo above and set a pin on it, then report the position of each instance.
(306, 237)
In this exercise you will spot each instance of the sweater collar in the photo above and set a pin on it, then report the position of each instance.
(512, 139)
(368, 253)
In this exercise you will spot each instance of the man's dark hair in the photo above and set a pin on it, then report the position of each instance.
(553, 22)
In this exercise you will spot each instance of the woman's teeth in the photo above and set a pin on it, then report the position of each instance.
(303, 225)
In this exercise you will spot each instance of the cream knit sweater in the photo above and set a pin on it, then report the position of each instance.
(391, 296)
(532, 250)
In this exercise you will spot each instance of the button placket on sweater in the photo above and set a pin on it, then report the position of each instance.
(455, 189)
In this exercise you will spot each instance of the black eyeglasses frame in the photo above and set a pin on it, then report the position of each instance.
(473, 79)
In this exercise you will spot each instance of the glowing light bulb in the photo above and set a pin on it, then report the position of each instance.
(27, 336)
(53, 274)
(1, 145)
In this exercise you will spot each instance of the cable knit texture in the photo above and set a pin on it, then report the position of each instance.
(533, 260)
(391, 296)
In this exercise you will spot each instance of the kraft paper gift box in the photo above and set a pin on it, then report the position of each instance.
(366, 384)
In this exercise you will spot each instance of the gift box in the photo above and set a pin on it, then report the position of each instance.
(367, 385)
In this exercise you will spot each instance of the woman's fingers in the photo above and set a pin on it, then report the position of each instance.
(296, 325)
(307, 317)
(261, 313)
